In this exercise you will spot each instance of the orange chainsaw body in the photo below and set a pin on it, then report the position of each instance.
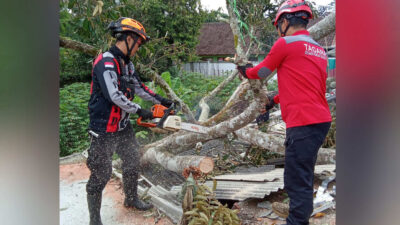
(158, 112)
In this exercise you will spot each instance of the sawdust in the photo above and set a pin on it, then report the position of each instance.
(74, 172)
(71, 173)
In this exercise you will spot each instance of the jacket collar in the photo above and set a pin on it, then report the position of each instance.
(119, 54)
(301, 32)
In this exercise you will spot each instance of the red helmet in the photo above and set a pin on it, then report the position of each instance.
(292, 6)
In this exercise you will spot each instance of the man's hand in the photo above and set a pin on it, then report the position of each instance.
(145, 114)
(166, 102)
(242, 69)
(271, 103)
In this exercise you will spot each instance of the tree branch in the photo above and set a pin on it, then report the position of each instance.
(205, 109)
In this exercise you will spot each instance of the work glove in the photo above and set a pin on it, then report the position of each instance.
(242, 69)
(271, 103)
(262, 118)
(166, 102)
(145, 114)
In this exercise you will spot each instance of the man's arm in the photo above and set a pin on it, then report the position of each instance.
(143, 91)
(270, 63)
(108, 80)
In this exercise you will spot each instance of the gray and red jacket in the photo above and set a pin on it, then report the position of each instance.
(112, 90)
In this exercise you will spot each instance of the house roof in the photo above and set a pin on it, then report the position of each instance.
(217, 39)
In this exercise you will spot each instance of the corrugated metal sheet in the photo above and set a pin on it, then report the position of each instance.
(256, 177)
(319, 169)
(252, 182)
(238, 190)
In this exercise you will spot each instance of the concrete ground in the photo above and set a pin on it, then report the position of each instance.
(73, 205)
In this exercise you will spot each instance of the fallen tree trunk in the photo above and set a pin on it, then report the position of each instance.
(178, 163)
(261, 139)
(275, 144)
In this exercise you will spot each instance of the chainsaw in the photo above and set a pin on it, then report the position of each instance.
(166, 119)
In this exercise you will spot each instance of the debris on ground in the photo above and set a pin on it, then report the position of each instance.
(200, 205)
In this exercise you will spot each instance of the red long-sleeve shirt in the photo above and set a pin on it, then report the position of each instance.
(301, 64)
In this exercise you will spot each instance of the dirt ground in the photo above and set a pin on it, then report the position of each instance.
(73, 205)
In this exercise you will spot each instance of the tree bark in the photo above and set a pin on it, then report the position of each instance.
(275, 143)
(78, 46)
(178, 163)
(238, 96)
(323, 27)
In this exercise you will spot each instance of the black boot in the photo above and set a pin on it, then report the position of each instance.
(137, 203)
(131, 196)
(94, 205)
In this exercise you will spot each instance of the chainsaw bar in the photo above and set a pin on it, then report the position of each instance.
(194, 128)
(174, 123)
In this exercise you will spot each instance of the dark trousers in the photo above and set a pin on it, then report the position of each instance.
(302, 145)
(100, 160)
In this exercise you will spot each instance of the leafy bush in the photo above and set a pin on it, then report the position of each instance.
(74, 118)
(74, 67)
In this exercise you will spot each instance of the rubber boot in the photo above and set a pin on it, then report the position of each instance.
(94, 205)
(131, 196)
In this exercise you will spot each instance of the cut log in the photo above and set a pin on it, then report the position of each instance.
(178, 163)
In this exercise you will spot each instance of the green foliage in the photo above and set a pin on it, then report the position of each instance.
(75, 67)
(74, 118)
(272, 85)
(173, 26)
(214, 15)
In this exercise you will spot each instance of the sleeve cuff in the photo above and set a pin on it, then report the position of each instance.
(276, 99)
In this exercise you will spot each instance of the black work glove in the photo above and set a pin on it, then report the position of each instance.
(242, 69)
(271, 103)
(166, 102)
(145, 114)
(262, 118)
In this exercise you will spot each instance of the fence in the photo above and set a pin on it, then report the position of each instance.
(210, 68)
